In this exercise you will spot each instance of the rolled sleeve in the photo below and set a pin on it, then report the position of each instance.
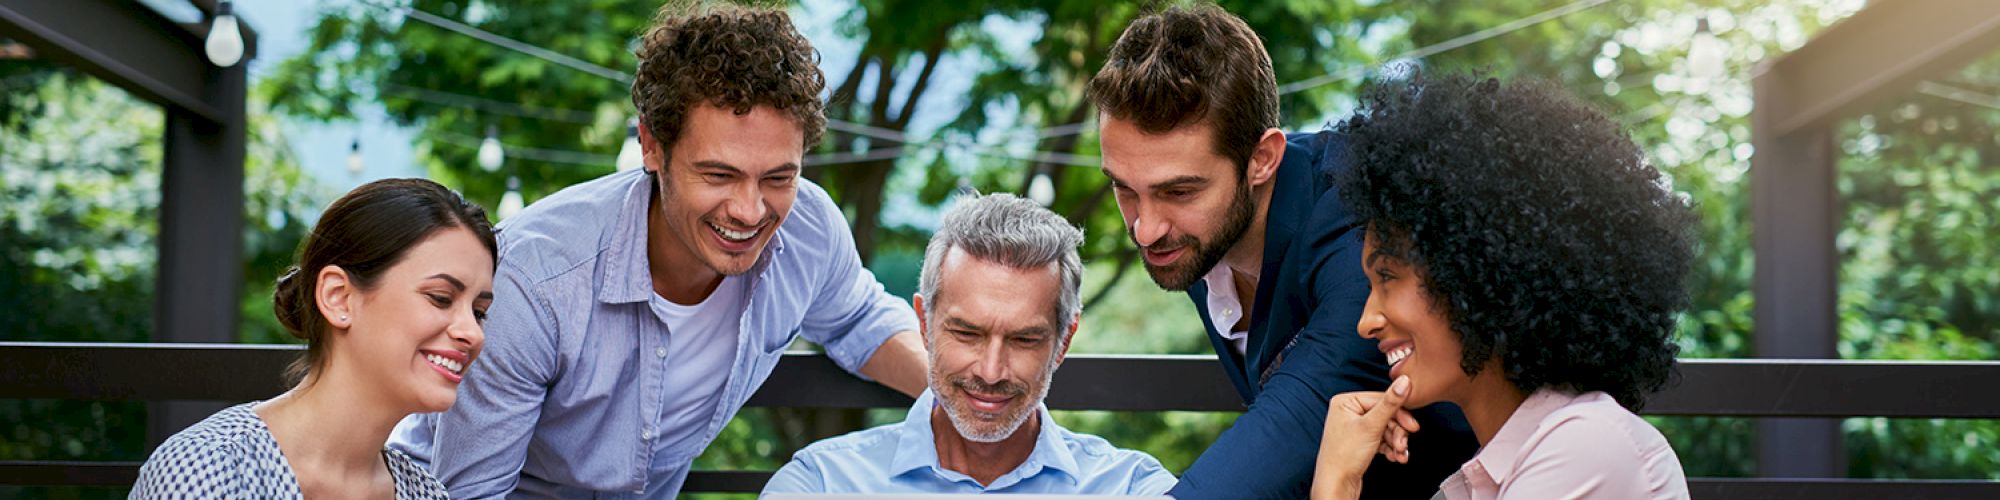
(851, 314)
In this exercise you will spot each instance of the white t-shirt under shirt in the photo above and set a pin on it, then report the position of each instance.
(1223, 308)
(701, 342)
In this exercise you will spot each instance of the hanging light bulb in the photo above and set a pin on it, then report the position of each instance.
(629, 156)
(511, 203)
(1705, 52)
(225, 39)
(1042, 190)
(490, 154)
(354, 157)
(965, 186)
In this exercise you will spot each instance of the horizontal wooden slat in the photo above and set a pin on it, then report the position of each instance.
(1720, 387)
(143, 372)
(1085, 382)
(61, 473)
(1831, 388)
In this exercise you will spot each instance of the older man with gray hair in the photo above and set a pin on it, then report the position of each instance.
(997, 303)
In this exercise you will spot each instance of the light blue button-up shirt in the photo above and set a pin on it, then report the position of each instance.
(566, 401)
(902, 458)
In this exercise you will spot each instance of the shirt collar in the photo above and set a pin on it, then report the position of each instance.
(1498, 457)
(916, 447)
(628, 276)
(1222, 298)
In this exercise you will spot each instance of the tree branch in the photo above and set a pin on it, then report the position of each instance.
(931, 55)
(1125, 258)
(885, 82)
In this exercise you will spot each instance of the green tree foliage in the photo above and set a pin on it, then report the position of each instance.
(78, 162)
(1921, 190)
(80, 166)
(452, 87)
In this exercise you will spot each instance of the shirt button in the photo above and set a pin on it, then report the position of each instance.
(648, 435)
(660, 352)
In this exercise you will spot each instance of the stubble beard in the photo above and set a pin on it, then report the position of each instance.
(1182, 275)
(963, 417)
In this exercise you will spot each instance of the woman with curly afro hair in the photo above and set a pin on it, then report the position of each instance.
(1526, 263)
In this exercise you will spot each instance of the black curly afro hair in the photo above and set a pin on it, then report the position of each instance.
(1541, 232)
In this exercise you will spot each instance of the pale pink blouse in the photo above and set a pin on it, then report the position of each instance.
(1559, 445)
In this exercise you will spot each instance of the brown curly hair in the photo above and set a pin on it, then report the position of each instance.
(729, 56)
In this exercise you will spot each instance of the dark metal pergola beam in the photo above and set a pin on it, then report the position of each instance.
(1876, 55)
(200, 264)
(126, 44)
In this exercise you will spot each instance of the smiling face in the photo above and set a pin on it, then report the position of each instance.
(414, 334)
(1184, 205)
(1415, 335)
(728, 183)
(993, 343)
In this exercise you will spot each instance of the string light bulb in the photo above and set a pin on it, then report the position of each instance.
(511, 203)
(1042, 190)
(354, 165)
(965, 186)
(490, 153)
(225, 38)
(630, 157)
(1705, 52)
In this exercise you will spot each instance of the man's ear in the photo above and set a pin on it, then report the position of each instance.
(1265, 159)
(923, 321)
(335, 297)
(1069, 337)
(653, 155)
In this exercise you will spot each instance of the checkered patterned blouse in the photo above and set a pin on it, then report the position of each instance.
(231, 454)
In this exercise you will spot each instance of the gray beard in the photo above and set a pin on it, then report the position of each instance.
(963, 424)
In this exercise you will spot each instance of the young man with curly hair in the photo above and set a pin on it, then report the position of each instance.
(1224, 205)
(1528, 266)
(634, 314)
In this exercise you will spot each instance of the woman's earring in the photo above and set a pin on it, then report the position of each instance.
(343, 318)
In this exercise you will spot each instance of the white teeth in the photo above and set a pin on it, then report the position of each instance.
(1397, 356)
(446, 363)
(732, 235)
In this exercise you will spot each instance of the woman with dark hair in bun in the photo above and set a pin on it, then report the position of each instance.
(1525, 263)
(389, 295)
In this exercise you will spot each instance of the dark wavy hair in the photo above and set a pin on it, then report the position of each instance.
(729, 56)
(366, 232)
(1187, 65)
(1538, 227)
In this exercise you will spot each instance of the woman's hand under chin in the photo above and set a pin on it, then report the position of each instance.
(1358, 426)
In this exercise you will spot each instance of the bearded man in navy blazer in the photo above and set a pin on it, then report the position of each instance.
(1225, 206)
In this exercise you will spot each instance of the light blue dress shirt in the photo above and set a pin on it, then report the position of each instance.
(902, 458)
(567, 399)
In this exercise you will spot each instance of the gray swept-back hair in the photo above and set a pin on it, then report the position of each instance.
(1011, 231)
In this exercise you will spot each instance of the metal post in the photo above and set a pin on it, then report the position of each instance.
(1795, 217)
(1867, 59)
(201, 236)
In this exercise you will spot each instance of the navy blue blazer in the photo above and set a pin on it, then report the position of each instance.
(1303, 350)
